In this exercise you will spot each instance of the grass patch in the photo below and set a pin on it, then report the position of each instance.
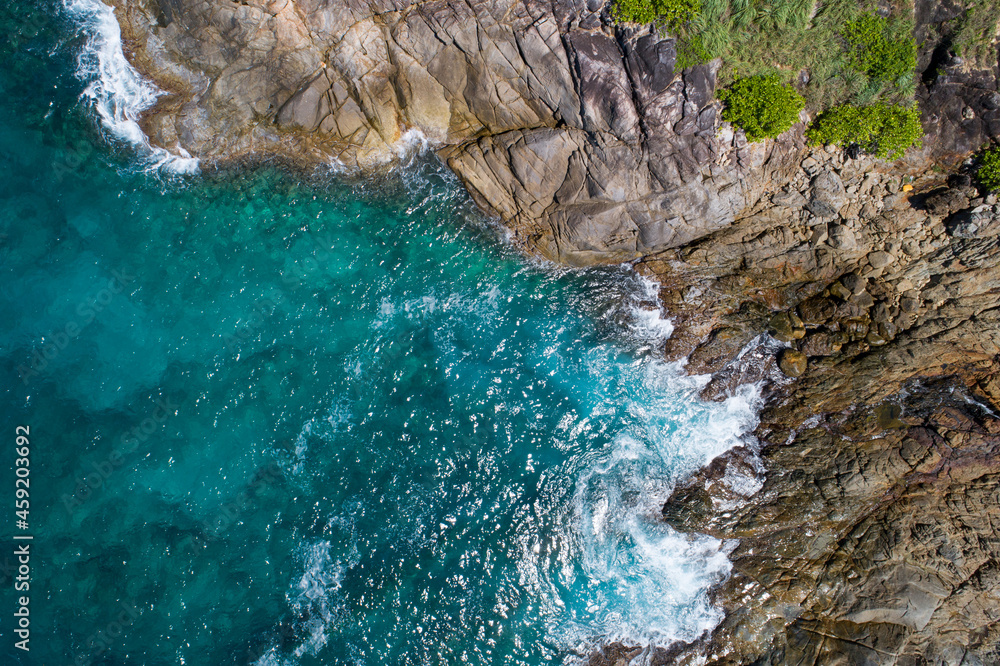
(975, 37)
(880, 129)
(667, 13)
(762, 105)
(797, 40)
(840, 55)
(879, 48)
(782, 37)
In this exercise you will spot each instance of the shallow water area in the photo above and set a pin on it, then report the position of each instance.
(280, 419)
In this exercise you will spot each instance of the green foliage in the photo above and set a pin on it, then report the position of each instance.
(666, 12)
(762, 105)
(691, 52)
(975, 36)
(879, 48)
(883, 130)
(803, 39)
(988, 171)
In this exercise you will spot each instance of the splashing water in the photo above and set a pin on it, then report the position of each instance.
(118, 93)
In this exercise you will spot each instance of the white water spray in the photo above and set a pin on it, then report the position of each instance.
(117, 91)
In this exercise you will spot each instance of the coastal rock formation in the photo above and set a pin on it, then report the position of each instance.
(878, 542)
(874, 537)
(581, 136)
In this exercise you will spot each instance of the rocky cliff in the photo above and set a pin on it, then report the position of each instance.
(875, 536)
(582, 137)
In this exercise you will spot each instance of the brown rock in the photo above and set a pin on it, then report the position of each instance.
(945, 201)
(821, 344)
(838, 290)
(880, 259)
(909, 305)
(724, 343)
(793, 363)
(816, 310)
(786, 327)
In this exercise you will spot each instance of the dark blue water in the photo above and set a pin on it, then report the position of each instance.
(285, 418)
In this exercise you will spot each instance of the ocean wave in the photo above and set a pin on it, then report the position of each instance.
(590, 560)
(117, 92)
(647, 321)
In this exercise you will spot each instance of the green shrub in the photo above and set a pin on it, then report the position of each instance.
(691, 51)
(879, 49)
(762, 106)
(883, 130)
(667, 12)
(988, 172)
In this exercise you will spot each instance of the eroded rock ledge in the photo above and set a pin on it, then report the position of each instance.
(580, 135)
(874, 539)
(876, 536)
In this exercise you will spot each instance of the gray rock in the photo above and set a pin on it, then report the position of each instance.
(828, 195)
(842, 237)
(880, 259)
(789, 198)
(853, 282)
(979, 222)
(863, 299)
(909, 305)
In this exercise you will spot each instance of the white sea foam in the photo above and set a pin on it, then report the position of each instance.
(648, 323)
(320, 579)
(338, 419)
(411, 144)
(649, 581)
(313, 600)
(116, 90)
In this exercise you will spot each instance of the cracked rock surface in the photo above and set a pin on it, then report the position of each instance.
(581, 136)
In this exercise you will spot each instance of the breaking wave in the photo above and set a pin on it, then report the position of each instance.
(116, 90)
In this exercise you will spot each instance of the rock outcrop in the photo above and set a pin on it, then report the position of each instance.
(581, 136)
(874, 538)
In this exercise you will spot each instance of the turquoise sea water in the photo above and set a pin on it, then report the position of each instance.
(287, 419)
